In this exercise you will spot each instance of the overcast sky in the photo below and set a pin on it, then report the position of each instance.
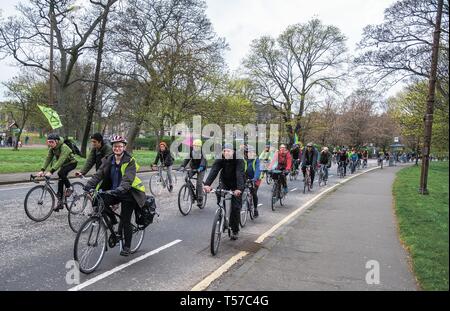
(241, 21)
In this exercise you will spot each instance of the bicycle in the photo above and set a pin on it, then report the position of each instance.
(380, 162)
(364, 164)
(341, 169)
(80, 209)
(265, 173)
(293, 175)
(353, 167)
(188, 194)
(40, 200)
(158, 182)
(307, 182)
(322, 179)
(92, 240)
(221, 223)
(277, 192)
(247, 203)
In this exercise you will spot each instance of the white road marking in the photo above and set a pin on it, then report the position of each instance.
(260, 204)
(123, 266)
(294, 189)
(217, 273)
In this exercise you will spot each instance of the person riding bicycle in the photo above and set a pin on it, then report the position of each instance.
(65, 163)
(325, 161)
(265, 158)
(354, 160)
(309, 157)
(296, 155)
(166, 159)
(199, 163)
(343, 160)
(365, 156)
(117, 175)
(231, 178)
(99, 150)
(282, 161)
(253, 172)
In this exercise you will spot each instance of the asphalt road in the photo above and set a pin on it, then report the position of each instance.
(34, 255)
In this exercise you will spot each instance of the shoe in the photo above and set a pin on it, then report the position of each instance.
(255, 213)
(286, 190)
(199, 203)
(69, 192)
(125, 251)
(59, 206)
(170, 188)
(234, 235)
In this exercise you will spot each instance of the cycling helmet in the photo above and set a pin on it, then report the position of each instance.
(118, 139)
(309, 145)
(53, 136)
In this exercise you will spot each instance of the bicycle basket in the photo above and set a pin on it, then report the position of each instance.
(145, 215)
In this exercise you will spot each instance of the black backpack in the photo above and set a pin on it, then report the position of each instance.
(73, 147)
(145, 215)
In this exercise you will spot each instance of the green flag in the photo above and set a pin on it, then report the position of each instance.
(295, 139)
(52, 116)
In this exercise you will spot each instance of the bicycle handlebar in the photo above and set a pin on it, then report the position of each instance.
(222, 192)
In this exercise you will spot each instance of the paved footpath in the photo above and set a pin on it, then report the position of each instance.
(328, 246)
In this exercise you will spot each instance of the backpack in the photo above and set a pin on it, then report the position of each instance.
(72, 146)
(145, 215)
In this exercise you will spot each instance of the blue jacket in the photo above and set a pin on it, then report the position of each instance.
(252, 168)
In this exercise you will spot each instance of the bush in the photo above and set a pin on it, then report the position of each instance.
(150, 142)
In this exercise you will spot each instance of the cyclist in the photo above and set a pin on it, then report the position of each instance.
(166, 160)
(117, 175)
(197, 162)
(354, 160)
(325, 160)
(265, 158)
(65, 163)
(365, 156)
(296, 155)
(252, 171)
(282, 161)
(343, 160)
(231, 178)
(309, 157)
(99, 150)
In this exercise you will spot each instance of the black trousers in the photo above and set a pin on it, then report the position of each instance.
(312, 171)
(255, 196)
(128, 205)
(63, 180)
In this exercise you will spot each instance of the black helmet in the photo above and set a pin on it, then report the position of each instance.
(53, 136)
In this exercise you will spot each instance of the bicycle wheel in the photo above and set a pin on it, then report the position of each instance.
(137, 239)
(156, 184)
(205, 197)
(274, 195)
(185, 200)
(39, 203)
(79, 211)
(251, 208)
(90, 244)
(244, 209)
(268, 179)
(77, 188)
(216, 232)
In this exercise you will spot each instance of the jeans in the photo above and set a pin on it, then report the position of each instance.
(63, 180)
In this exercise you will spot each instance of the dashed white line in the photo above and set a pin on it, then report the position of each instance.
(123, 266)
(294, 189)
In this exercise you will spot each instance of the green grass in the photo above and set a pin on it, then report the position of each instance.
(423, 223)
(31, 159)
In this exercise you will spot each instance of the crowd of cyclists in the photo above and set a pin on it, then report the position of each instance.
(116, 172)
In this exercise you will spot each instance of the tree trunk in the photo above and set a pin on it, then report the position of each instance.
(132, 134)
(91, 105)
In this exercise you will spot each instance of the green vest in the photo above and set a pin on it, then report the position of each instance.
(137, 182)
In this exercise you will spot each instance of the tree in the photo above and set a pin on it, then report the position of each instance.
(25, 95)
(303, 58)
(26, 38)
(166, 49)
(400, 47)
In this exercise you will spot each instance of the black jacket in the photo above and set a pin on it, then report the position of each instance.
(195, 163)
(95, 158)
(165, 157)
(231, 173)
(103, 175)
(309, 158)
